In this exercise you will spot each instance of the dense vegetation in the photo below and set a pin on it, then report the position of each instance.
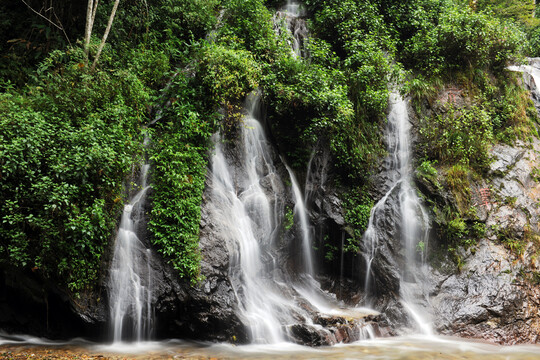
(70, 135)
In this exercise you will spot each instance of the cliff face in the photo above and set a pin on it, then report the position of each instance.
(491, 288)
(495, 294)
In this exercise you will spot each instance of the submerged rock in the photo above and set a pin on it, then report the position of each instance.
(330, 330)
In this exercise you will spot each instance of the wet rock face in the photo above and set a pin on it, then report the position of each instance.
(331, 330)
(386, 263)
(516, 190)
(206, 311)
(494, 297)
(488, 300)
(210, 309)
(31, 305)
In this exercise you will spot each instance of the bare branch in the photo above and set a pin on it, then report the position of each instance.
(90, 17)
(64, 31)
(58, 27)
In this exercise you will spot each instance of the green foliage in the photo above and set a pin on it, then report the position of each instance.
(288, 222)
(456, 229)
(420, 88)
(462, 38)
(151, 66)
(357, 213)
(534, 41)
(427, 170)
(509, 239)
(522, 11)
(317, 98)
(459, 136)
(62, 166)
(248, 25)
(463, 134)
(227, 75)
(356, 23)
(478, 230)
(457, 179)
(364, 44)
(510, 108)
(461, 234)
(26, 38)
(535, 174)
(331, 251)
(179, 155)
(341, 94)
(407, 18)
(184, 20)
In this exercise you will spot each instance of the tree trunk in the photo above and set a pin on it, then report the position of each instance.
(90, 17)
(107, 30)
(87, 28)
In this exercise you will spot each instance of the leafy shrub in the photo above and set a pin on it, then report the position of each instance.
(459, 136)
(248, 25)
(463, 38)
(180, 155)
(357, 213)
(456, 229)
(458, 182)
(427, 170)
(227, 75)
(63, 167)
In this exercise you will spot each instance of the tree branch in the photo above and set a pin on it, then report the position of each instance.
(64, 31)
(58, 27)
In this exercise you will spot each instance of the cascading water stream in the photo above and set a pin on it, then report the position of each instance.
(533, 69)
(130, 282)
(414, 218)
(298, 30)
(291, 13)
(247, 208)
(247, 219)
(301, 213)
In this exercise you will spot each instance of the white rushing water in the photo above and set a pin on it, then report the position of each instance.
(533, 69)
(247, 210)
(130, 283)
(248, 213)
(247, 218)
(300, 211)
(291, 14)
(414, 218)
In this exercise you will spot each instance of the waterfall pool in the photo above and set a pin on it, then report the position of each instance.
(410, 347)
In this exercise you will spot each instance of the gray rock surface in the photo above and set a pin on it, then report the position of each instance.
(492, 297)
(488, 300)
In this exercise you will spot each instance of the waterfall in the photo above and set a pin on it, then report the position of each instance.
(300, 211)
(247, 217)
(130, 282)
(414, 219)
(278, 298)
(291, 14)
(533, 81)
